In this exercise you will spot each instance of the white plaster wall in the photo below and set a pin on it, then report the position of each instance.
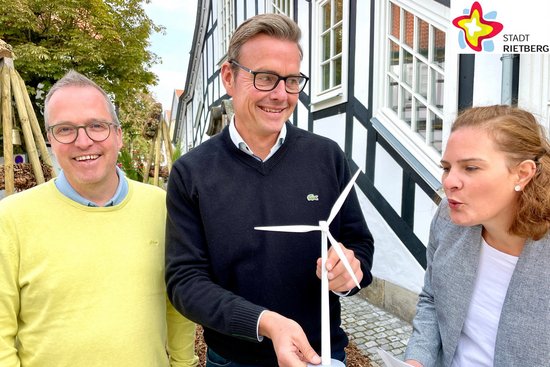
(487, 80)
(303, 22)
(359, 148)
(333, 127)
(424, 209)
(362, 53)
(303, 115)
(534, 86)
(261, 7)
(239, 13)
(392, 261)
(388, 178)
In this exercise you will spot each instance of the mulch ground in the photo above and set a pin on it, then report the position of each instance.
(355, 357)
(24, 176)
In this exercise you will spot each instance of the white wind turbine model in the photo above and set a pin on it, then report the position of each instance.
(324, 228)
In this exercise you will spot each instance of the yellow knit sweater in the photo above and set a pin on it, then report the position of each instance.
(84, 286)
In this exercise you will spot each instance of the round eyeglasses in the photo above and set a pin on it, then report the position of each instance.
(97, 131)
(266, 81)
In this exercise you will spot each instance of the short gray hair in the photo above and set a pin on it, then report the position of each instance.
(75, 79)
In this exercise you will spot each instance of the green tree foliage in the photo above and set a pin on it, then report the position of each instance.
(133, 116)
(104, 40)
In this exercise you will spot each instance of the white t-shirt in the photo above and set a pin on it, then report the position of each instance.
(476, 346)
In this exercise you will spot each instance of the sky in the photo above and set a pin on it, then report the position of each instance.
(178, 17)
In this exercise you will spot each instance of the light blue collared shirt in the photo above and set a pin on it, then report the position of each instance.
(239, 142)
(66, 189)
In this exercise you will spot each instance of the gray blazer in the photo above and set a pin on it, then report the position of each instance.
(523, 336)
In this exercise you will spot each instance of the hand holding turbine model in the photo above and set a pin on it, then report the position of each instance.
(323, 227)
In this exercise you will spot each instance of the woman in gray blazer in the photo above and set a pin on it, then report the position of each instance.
(486, 297)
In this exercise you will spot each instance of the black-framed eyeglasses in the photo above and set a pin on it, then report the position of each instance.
(266, 81)
(97, 131)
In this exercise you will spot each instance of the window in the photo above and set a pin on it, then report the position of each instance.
(331, 45)
(280, 7)
(415, 74)
(330, 56)
(226, 23)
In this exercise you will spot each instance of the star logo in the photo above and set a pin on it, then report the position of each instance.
(475, 28)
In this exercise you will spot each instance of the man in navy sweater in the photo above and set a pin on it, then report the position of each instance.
(257, 294)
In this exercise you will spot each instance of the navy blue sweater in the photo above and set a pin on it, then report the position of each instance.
(221, 273)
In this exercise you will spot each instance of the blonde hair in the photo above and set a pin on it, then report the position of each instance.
(517, 133)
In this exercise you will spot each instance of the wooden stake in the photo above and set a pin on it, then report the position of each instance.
(37, 132)
(167, 145)
(9, 179)
(26, 127)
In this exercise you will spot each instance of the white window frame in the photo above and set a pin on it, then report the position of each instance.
(280, 7)
(338, 94)
(226, 25)
(438, 16)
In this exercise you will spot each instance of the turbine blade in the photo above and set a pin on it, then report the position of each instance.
(342, 198)
(343, 258)
(291, 228)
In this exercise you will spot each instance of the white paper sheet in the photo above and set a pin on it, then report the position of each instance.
(391, 361)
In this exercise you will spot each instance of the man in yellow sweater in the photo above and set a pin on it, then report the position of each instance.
(82, 256)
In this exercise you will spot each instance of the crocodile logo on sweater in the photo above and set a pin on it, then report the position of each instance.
(312, 197)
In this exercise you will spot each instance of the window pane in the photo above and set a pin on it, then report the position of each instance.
(415, 73)
(407, 68)
(338, 71)
(394, 58)
(393, 94)
(339, 10)
(338, 40)
(438, 83)
(420, 115)
(421, 78)
(406, 107)
(226, 14)
(395, 20)
(437, 132)
(423, 37)
(439, 48)
(331, 44)
(326, 23)
(409, 29)
(325, 40)
(325, 72)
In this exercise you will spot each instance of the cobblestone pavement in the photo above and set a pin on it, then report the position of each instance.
(370, 327)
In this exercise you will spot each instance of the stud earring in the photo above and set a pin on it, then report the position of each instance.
(517, 188)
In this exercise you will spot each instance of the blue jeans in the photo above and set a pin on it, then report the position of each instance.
(213, 359)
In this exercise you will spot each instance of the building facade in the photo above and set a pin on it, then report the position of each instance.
(386, 82)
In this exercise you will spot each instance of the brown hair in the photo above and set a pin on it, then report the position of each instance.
(517, 133)
(274, 25)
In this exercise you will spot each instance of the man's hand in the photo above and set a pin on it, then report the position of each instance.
(339, 278)
(289, 341)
